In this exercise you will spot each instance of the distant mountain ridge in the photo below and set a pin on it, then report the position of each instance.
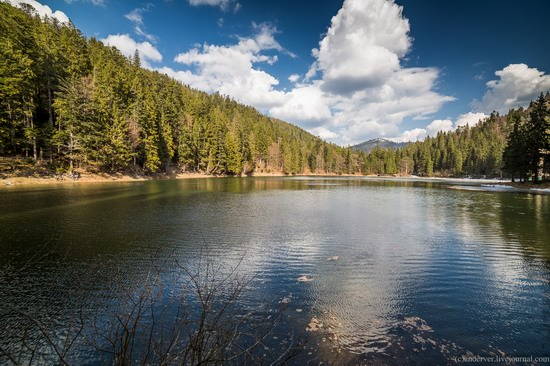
(367, 146)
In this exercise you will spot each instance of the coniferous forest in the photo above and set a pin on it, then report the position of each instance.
(68, 103)
(514, 145)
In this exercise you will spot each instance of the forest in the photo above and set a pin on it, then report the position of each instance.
(70, 103)
(515, 145)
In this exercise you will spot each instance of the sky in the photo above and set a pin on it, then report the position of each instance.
(346, 71)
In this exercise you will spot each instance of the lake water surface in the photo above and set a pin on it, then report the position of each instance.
(424, 273)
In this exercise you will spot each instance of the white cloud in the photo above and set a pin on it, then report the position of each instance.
(42, 10)
(95, 2)
(294, 78)
(411, 135)
(323, 133)
(517, 85)
(139, 31)
(219, 3)
(127, 45)
(437, 125)
(363, 45)
(231, 69)
(358, 88)
(306, 104)
(136, 17)
(480, 76)
(470, 119)
(222, 4)
(265, 37)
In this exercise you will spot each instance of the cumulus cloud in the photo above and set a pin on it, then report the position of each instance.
(438, 125)
(470, 118)
(136, 17)
(362, 46)
(516, 86)
(128, 46)
(232, 70)
(293, 78)
(324, 133)
(42, 10)
(306, 104)
(357, 87)
(416, 134)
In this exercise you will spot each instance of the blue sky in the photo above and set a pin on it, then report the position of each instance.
(346, 70)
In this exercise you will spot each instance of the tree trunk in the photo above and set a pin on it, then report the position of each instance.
(50, 118)
(12, 129)
(71, 142)
(31, 124)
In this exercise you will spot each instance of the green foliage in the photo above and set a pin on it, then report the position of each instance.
(527, 153)
(468, 151)
(84, 103)
(516, 144)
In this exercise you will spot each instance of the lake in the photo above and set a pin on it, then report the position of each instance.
(405, 271)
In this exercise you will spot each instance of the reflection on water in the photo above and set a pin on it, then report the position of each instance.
(423, 273)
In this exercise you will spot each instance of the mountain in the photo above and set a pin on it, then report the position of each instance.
(367, 146)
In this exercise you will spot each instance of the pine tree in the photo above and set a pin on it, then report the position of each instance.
(78, 134)
(538, 131)
(516, 161)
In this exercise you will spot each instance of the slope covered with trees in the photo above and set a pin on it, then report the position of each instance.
(515, 144)
(69, 102)
(527, 153)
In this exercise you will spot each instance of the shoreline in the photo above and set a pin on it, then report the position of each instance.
(7, 181)
(10, 181)
(85, 178)
(93, 178)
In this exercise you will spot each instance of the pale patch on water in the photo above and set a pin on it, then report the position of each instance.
(305, 279)
(416, 323)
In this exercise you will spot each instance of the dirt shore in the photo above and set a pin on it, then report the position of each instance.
(91, 178)
(7, 181)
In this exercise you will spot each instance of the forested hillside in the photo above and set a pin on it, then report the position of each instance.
(69, 102)
(477, 151)
(471, 151)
